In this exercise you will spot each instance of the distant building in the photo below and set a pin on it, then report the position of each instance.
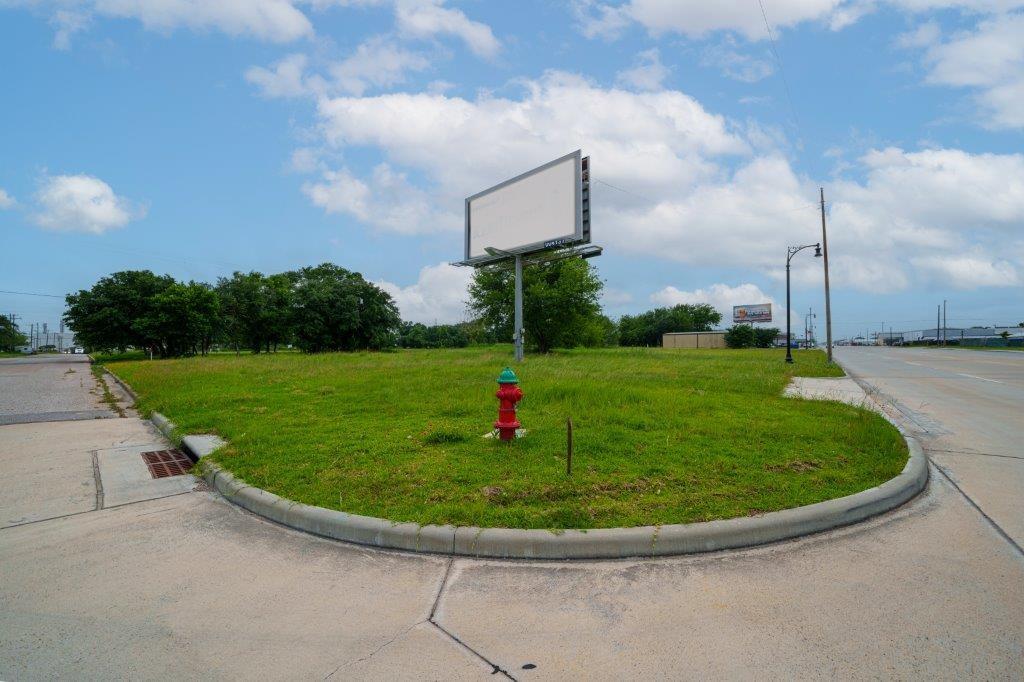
(712, 339)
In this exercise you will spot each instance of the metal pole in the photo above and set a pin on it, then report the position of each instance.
(828, 301)
(789, 315)
(938, 321)
(519, 309)
(945, 329)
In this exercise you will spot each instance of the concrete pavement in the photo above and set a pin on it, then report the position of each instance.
(967, 409)
(189, 586)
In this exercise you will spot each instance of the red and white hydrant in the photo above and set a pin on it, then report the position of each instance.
(509, 394)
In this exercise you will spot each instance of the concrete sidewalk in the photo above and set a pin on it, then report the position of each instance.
(189, 586)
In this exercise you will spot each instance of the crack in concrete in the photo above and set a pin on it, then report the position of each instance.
(991, 521)
(972, 452)
(93, 511)
(495, 668)
(97, 480)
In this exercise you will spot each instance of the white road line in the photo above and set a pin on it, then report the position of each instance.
(982, 378)
(915, 363)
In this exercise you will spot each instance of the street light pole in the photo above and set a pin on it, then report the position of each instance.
(828, 299)
(790, 252)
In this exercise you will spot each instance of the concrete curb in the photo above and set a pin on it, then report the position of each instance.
(599, 543)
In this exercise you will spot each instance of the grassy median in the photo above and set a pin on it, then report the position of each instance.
(661, 436)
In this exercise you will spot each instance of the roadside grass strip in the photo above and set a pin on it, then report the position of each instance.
(660, 436)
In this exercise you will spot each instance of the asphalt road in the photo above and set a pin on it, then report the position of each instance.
(104, 576)
(967, 409)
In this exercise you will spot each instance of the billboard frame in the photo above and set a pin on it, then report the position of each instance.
(747, 320)
(580, 234)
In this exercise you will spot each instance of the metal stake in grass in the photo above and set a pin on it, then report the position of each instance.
(568, 447)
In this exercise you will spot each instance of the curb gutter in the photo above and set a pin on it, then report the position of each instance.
(599, 543)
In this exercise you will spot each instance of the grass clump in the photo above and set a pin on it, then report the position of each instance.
(660, 435)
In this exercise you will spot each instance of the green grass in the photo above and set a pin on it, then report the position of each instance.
(661, 436)
(6, 354)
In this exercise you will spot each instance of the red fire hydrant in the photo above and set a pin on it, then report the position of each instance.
(509, 394)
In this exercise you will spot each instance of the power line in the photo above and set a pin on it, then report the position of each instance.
(28, 293)
(782, 70)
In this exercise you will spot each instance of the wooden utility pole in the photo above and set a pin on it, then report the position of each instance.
(945, 329)
(938, 321)
(828, 302)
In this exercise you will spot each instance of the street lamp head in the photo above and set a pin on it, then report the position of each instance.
(817, 250)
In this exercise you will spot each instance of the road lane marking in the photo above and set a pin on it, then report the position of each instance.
(982, 378)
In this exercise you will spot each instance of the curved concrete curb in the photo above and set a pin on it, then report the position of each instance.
(600, 543)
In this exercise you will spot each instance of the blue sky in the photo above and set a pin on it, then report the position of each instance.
(197, 138)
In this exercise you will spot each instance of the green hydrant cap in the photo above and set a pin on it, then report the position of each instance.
(508, 377)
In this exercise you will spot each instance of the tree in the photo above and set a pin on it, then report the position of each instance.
(335, 309)
(764, 337)
(560, 303)
(256, 310)
(646, 329)
(103, 317)
(181, 319)
(417, 335)
(740, 336)
(10, 336)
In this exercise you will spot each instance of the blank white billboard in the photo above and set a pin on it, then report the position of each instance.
(536, 210)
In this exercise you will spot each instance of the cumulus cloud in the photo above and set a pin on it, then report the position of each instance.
(385, 200)
(647, 72)
(81, 203)
(276, 21)
(429, 18)
(988, 59)
(438, 296)
(721, 297)
(735, 64)
(670, 180)
(741, 17)
(697, 19)
(285, 78)
(970, 271)
(6, 200)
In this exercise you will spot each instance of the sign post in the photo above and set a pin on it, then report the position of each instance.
(519, 309)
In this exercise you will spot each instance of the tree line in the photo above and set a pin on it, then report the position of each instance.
(320, 308)
(329, 308)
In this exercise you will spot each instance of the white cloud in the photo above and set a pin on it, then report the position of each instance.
(743, 17)
(970, 271)
(428, 18)
(68, 22)
(721, 297)
(988, 58)
(670, 180)
(647, 72)
(438, 296)
(697, 19)
(272, 20)
(735, 64)
(81, 203)
(385, 200)
(6, 200)
(284, 79)
(377, 62)
(652, 140)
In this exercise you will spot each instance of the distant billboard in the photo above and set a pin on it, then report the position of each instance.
(760, 312)
(540, 209)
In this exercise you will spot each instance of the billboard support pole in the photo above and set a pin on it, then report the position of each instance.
(519, 309)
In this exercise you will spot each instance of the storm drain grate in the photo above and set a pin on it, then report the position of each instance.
(163, 463)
